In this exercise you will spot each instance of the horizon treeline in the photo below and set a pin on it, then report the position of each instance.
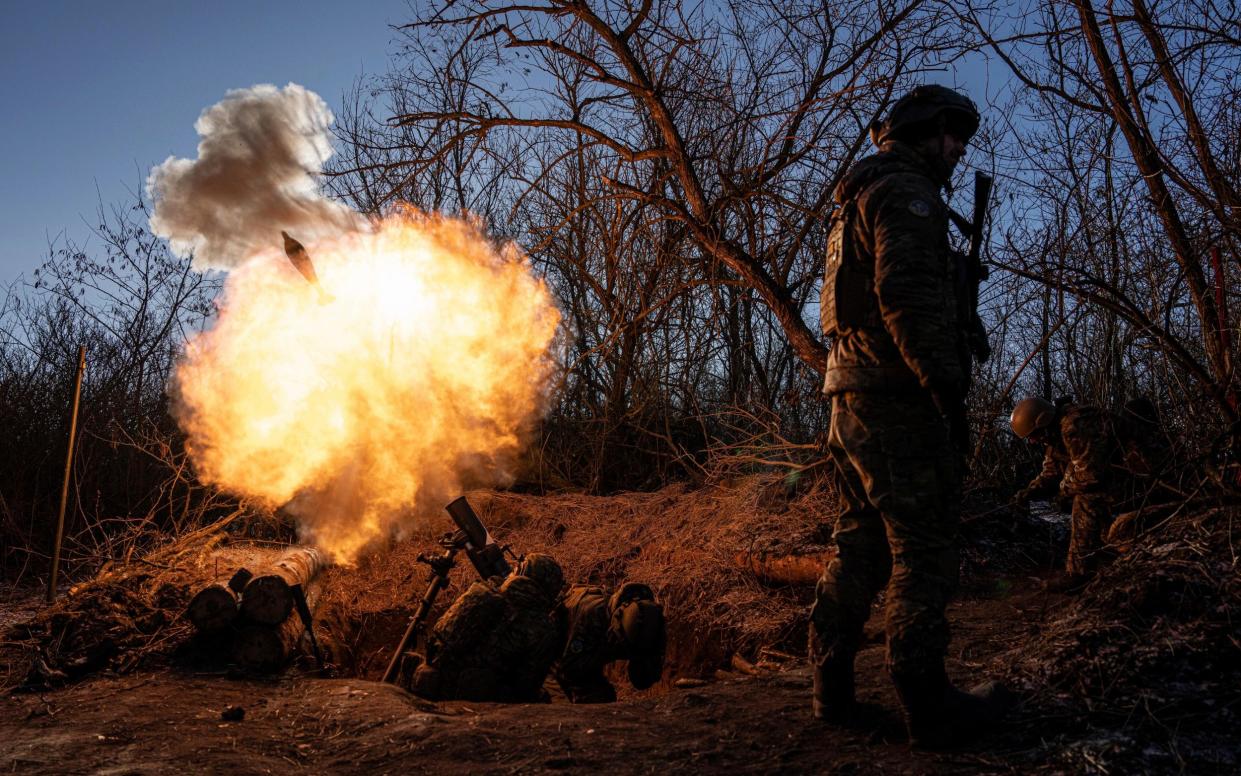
(669, 169)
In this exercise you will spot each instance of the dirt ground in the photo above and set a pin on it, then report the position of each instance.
(1138, 673)
(166, 720)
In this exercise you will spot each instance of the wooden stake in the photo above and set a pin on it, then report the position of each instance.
(64, 491)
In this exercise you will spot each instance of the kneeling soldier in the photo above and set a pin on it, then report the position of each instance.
(496, 643)
(597, 629)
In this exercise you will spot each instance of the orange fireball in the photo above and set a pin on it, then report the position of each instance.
(418, 380)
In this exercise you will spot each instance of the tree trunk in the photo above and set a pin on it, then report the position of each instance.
(268, 599)
(802, 569)
(215, 607)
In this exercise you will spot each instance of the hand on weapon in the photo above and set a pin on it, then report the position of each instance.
(487, 556)
(973, 271)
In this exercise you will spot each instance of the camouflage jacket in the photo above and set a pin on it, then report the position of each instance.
(1095, 451)
(493, 644)
(584, 620)
(893, 305)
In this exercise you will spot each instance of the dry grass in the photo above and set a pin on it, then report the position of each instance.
(126, 614)
(1149, 654)
(683, 543)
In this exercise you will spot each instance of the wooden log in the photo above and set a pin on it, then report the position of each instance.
(267, 648)
(215, 607)
(268, 598)
(803, 569)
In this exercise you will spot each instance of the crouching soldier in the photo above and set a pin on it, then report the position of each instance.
(1093, 461)
(496, 642)
(597, 629)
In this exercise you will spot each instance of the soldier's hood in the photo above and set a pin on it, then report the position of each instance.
(896, 157)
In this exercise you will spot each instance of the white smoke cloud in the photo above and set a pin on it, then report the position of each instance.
(257, 173)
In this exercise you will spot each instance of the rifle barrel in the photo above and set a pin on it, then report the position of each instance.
(982, 197)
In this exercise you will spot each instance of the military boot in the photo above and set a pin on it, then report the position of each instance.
(940, 716)
(834, 701)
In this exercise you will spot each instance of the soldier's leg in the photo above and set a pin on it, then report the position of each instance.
(851, 580)
(914, 483)
(912, 477)
(1088, 479)
(1092, 515)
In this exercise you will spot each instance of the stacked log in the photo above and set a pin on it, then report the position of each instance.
(268, 598)
(272, 626)
(260, 611)
(215, 607)
(264, 647)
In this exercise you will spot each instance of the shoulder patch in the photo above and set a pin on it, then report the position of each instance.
(920, 208)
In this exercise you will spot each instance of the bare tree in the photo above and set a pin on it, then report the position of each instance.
(132, 304)
(1130, 156)
(669, 165)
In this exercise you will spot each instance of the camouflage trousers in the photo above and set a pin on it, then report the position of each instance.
(898, 479)
(1092, 516)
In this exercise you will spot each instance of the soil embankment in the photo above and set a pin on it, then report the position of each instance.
(1138, 673)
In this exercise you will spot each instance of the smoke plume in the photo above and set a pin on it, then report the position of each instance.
(257, 172)
(365, 390)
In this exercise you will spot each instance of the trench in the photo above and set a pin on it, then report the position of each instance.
(360, 646)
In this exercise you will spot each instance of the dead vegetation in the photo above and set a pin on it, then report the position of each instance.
(685, 543)
(127, 616)
(1142, 670)
(1138, 673)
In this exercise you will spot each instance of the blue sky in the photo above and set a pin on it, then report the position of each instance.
(94, 93)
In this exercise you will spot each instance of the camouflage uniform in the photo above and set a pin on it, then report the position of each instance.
(593, 630)
(1097, 461)
(495, 643)
(897, 371)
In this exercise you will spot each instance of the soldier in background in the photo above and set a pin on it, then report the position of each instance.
(1093, 461)
(597, 629)
(897, 372)
(496, 642)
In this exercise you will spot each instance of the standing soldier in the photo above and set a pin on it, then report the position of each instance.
(897, 372)
(1093, 459)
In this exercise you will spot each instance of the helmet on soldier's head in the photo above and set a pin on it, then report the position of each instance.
(925, 112)
(642, 623)
(630, 591)
(544, 570)
(1030, 415)
(638, 622)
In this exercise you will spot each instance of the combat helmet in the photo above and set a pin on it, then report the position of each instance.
(544, 570)
(926, 111)
(639, 621)
(1030, 415)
